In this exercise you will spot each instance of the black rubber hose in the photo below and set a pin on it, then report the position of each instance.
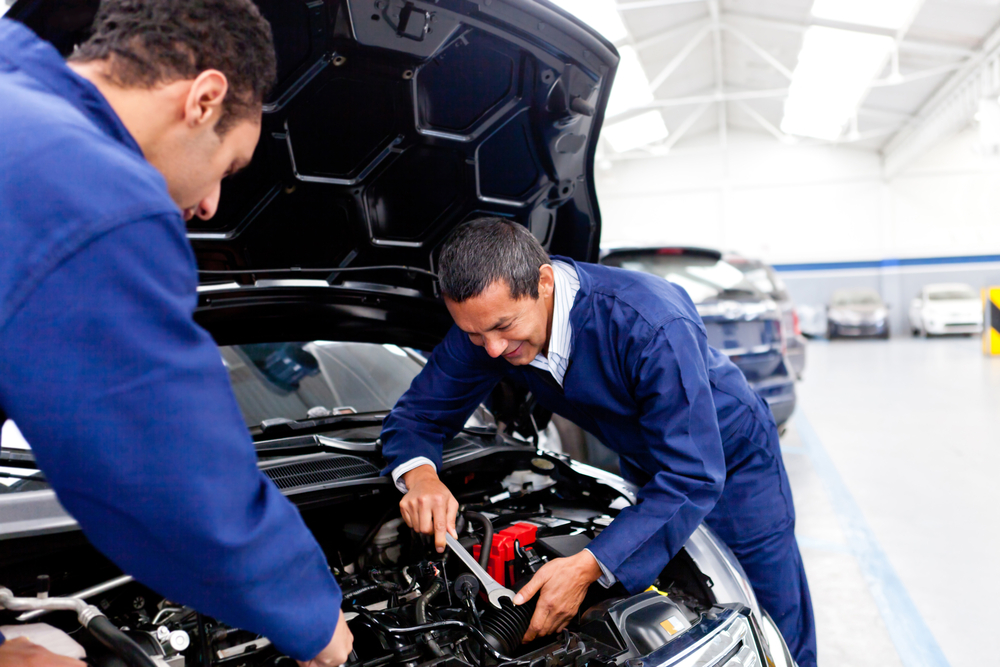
(482, 520)
(473, 631)
(119, 643)
(421, 613)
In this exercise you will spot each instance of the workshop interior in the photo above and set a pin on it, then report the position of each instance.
(819, 177)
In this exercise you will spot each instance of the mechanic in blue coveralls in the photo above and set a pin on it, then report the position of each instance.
(123, 398)
(624, 355)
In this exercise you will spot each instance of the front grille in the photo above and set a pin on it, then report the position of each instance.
(320, 470)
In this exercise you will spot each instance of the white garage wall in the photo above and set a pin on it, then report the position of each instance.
(793, 204)
(799, 204)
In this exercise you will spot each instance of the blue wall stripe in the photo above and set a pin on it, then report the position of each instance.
(885, 263)
(914, 641)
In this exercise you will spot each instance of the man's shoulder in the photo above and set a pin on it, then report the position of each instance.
(648, 299)
(71, 168)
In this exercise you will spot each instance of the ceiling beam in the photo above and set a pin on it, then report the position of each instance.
(679, 59)
(922, 46)
(759, 50)
(668, 35)
(720, 80)
(629, 5)
(949, 110)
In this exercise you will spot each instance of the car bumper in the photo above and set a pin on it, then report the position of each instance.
(943, 328)
(876, 329)
(780, 396)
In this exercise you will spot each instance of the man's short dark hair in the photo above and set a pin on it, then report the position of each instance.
(149, 42)
(481, 252)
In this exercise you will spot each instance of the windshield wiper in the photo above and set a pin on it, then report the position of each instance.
(270, 428)
(17, 458)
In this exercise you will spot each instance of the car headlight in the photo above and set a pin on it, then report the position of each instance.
(730, 643)
(880, 314)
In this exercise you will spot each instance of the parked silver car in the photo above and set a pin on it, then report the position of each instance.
(857, 312)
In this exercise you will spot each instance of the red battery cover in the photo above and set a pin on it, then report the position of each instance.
(502, 552)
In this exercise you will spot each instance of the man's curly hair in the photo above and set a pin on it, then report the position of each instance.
(150, 42)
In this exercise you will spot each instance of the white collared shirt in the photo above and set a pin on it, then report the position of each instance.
(561, 338)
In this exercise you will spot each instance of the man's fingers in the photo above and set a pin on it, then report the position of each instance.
(452, 515)
(529, 589)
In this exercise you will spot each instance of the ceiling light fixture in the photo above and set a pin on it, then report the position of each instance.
(892, 14)
(600, 15)
(631, 86)
(636, 132)
(835, 69)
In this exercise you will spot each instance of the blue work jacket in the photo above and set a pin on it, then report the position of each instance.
(124, 399)
(643, 379)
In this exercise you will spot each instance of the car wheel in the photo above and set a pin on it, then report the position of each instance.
(915, 331)
(831, 332)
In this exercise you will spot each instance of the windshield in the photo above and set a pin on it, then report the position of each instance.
(283, 381)
(857, 298)
(318, 379)
(703, 278)
(957, 294)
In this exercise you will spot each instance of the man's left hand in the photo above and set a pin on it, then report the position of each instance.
(563, 583)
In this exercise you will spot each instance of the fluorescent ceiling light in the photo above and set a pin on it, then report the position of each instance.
(636, 131)
(631, 86)
(893, 14)
(833, 74)
(600, 15)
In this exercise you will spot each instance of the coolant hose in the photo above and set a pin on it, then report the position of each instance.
(118, 643)
(482, 520)
(421, 613)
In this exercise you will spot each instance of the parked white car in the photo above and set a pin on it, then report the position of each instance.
(946, 308)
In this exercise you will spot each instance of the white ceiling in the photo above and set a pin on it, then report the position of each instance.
(722, 64)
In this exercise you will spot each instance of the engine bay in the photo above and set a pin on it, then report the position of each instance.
(406, 604)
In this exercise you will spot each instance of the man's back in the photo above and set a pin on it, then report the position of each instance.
(68, 172)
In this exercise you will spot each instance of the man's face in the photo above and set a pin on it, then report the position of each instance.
(195, 161)
(515, 329)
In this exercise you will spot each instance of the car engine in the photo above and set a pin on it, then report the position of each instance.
(408, 606)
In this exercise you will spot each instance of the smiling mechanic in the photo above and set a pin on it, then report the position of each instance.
(624, 355)
(125, 399)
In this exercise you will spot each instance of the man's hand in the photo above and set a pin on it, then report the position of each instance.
(20, 652)
(428, 506)
(563, 583)
(336, 652)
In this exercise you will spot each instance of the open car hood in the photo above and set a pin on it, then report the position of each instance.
(392, 122)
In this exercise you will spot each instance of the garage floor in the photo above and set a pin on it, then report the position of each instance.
(893, 455)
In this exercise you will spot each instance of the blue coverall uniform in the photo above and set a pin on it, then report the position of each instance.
(124, 399)
(688, 429)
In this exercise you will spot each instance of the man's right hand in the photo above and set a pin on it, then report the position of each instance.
(428, 506)
(337, 651)
(20, 652)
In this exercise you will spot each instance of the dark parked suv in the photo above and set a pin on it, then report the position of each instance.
(741, 321)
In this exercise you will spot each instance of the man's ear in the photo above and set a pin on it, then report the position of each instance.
(546, 280)
(204, 100)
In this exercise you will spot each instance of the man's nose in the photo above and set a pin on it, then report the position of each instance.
(210, 204)
(495, 346)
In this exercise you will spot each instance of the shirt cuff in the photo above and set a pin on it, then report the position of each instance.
(607, 577)
(403, 468)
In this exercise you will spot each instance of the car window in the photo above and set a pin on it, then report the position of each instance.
(316, 379)
(703, 278)
(858, 298)
(952, 295)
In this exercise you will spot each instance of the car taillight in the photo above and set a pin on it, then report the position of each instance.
(795, 322)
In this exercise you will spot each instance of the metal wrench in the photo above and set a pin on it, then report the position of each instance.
(494, 591)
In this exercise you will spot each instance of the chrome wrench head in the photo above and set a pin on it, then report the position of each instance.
(494, 591)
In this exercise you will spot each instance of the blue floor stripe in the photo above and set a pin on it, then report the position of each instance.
(914, 641)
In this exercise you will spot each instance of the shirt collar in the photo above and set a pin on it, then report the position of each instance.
(566, 287)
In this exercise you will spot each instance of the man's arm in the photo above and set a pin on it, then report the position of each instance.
(457, 378)
(679, 421)
(130, 413)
